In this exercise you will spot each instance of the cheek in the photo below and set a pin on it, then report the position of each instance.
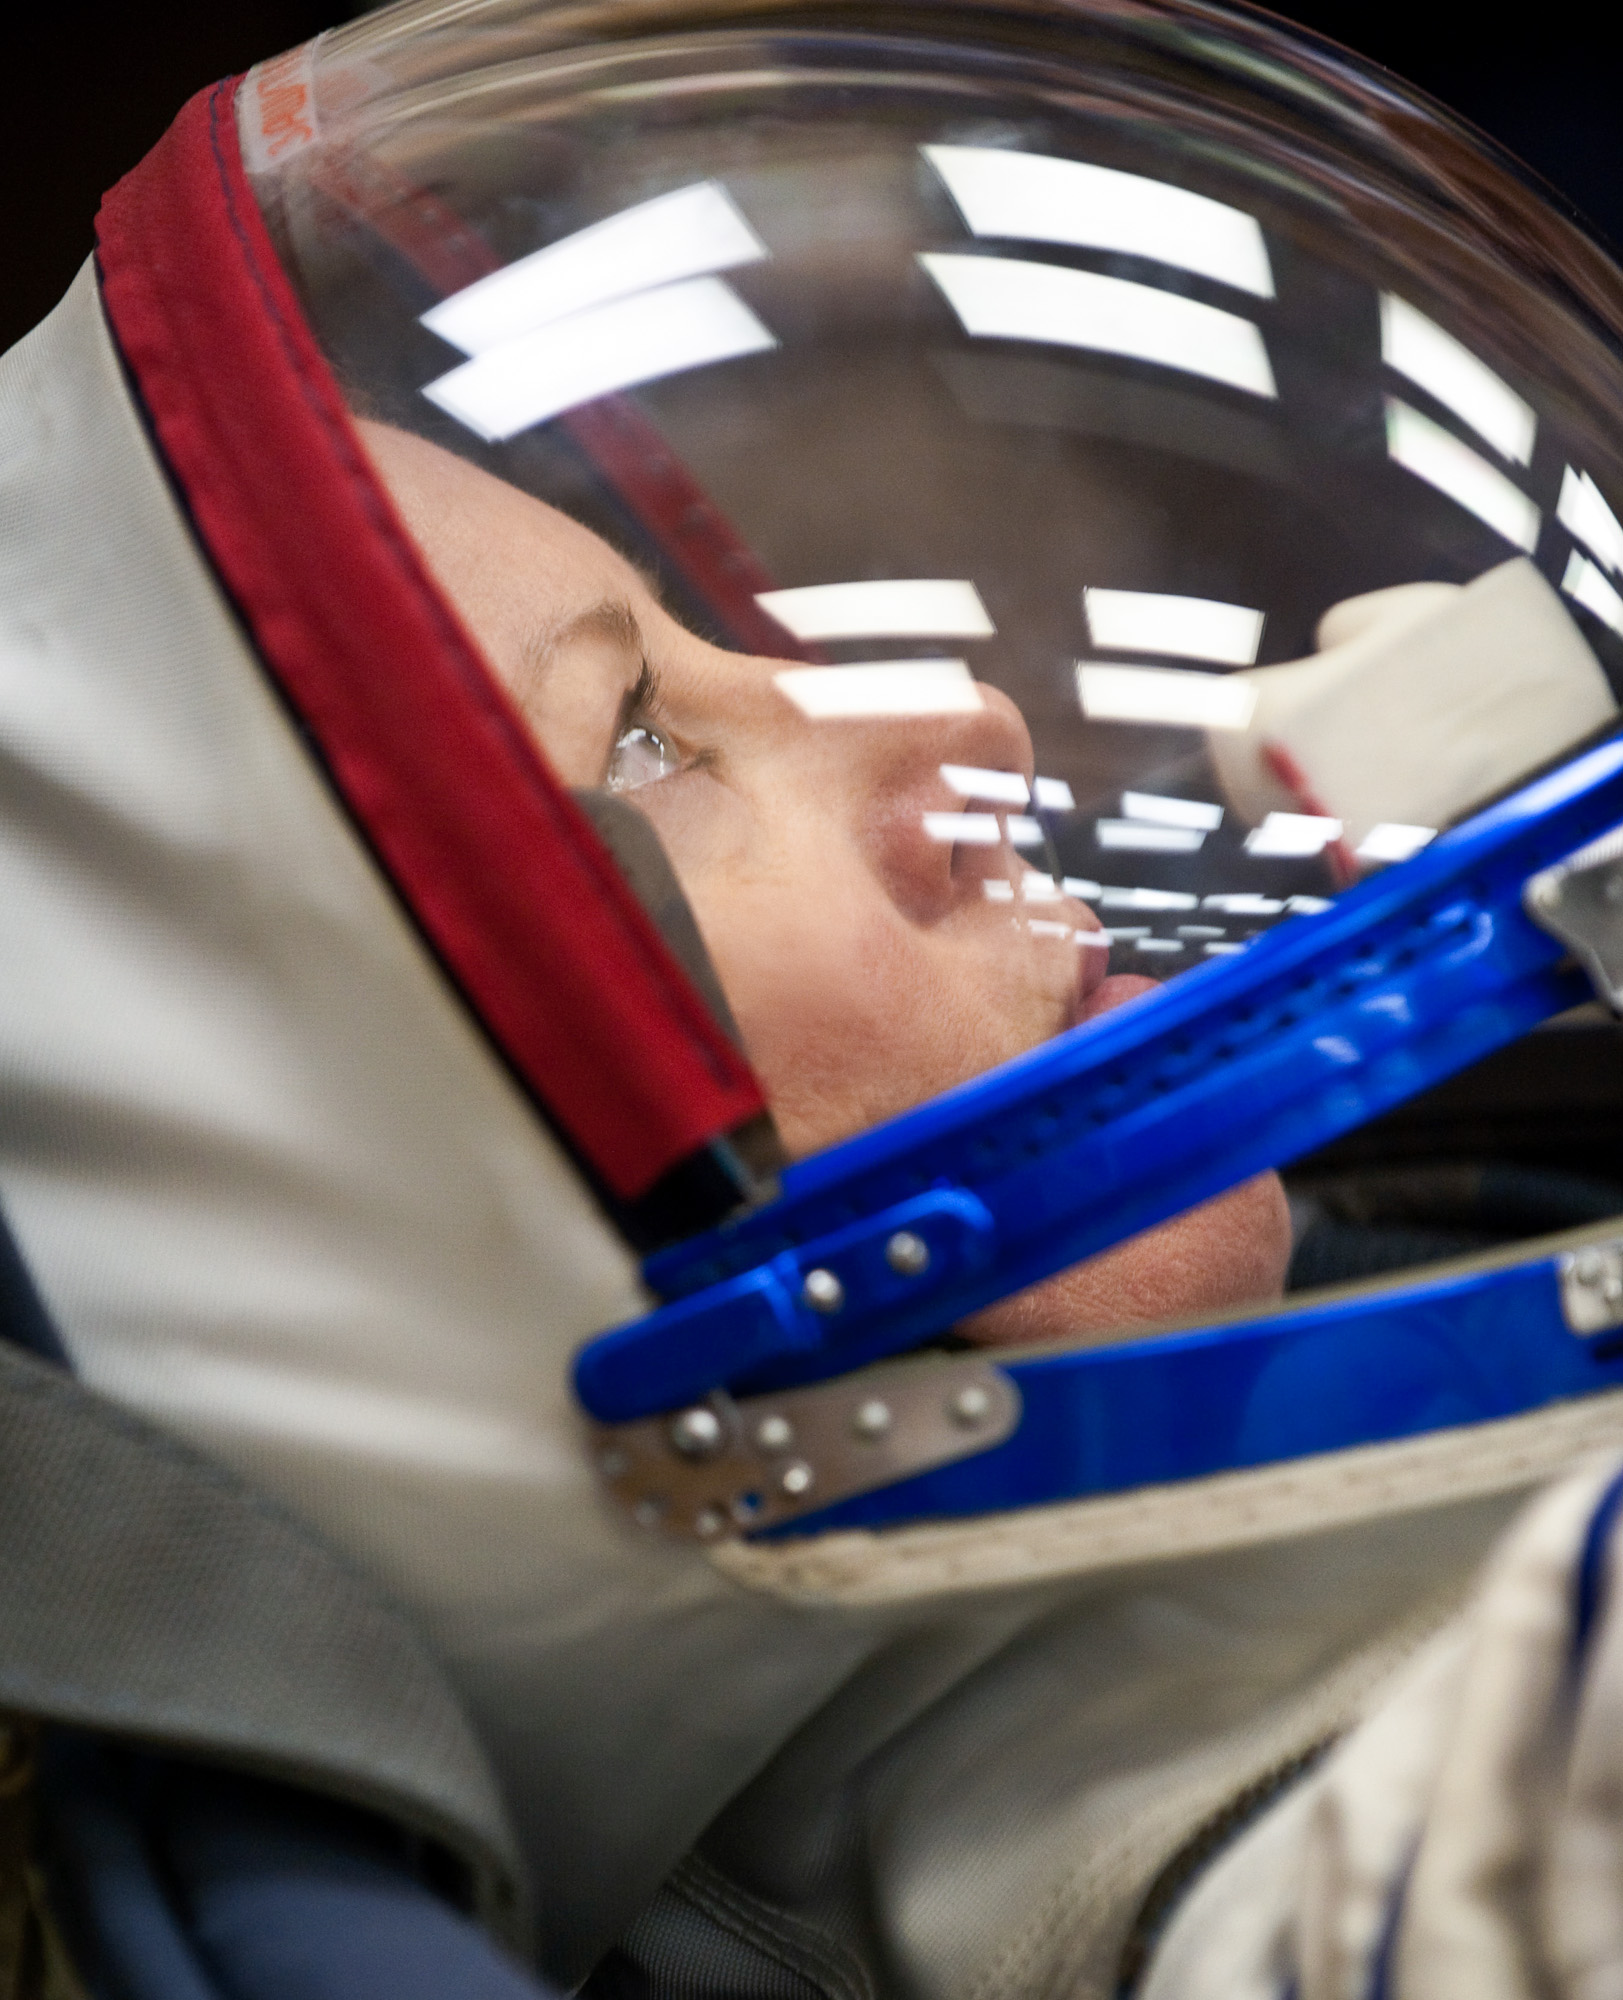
(1229, 1252)
(851, 1013)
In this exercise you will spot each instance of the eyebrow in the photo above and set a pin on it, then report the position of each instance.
(611, 618)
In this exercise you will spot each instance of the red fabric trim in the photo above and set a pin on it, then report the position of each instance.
(498, 865)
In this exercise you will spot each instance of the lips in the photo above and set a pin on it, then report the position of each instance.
(1114, 991)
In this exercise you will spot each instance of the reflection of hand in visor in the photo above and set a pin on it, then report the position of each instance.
(1424, 701)
(867, 965)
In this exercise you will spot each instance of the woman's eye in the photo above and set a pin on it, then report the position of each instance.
(639, 757)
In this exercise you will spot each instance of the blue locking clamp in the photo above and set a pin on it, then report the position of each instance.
(1431, 1351)
(1245, 1063)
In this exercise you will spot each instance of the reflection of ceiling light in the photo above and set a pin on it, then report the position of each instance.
(1171, 812)
(1414, 346)
(1583, 512)
(1389, 842)
(1245, 905)
(1438, 457)
(886, 609)
(1083, 890)
(1034, 888)
(1044, 200)
(1133, 836)
(1006, 788)
(1308, 906)
(1200, 930)
(964, 830)
(1223, 950)
(1585, 585)
(1171, 695)
(1053, 795)
(1005, 298)
(1120, 936)
(884, 687)
(1293, 834)
(1163, 946)
(687, 234)
(1196, 628)
(1147, 899)
(1047, 927)
(595, 353)
(982, 830)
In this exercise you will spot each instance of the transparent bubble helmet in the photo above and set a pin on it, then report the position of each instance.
(1088, 482)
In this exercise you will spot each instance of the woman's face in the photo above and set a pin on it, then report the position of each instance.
(867, 966)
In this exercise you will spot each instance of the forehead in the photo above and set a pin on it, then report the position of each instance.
(479, 534)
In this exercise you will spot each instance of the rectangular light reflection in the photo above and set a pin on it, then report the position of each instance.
(1391, 842)
(1243, 905)
(882, 687)
(1147, 899)
(969, 781)
(1131, 836)
(1585, 584)
(1415, 346)
(1174, 696)
(1195, 628)
(525, 381)
(884, 609)
(1171, 812)
(1053, 795)
(687, 234)
(1044, 200)
(1006, 298)
(1438, 457)
(1583, 512)
(1292, 834)
(967, 830)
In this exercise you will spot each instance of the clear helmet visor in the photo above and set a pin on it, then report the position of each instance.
(1027, 502)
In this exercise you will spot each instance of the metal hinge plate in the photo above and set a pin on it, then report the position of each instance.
(726, 1467)
(1591, 1281)
(1580, 901)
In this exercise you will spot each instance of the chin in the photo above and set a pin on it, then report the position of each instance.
(1229, 1252)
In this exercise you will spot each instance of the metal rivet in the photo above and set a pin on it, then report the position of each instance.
(796, 1478)
(908, 1254)
(1612, 1289)
(708, 1523)
(970, 1406)
(823, 1292)
(697, 1433)
(649, 1513)
(1613, 891)
(774, 1434)
(872, 1419)
(613, 1463)
(1589, 1268)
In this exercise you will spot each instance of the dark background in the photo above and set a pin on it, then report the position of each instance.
(92, 86)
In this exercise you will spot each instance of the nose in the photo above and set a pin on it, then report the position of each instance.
(897, 794)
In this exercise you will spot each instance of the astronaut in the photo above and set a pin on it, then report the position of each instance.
(718, 724)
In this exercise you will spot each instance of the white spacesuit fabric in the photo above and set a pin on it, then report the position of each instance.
(1464, 1839)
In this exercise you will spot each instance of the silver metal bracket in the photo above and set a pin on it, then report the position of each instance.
(725, 1468)
(1580, 901)
(1591, 1281)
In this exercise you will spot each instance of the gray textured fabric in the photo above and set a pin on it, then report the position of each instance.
(150, 1593)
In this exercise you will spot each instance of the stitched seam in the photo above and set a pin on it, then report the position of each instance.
(788, 1940)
